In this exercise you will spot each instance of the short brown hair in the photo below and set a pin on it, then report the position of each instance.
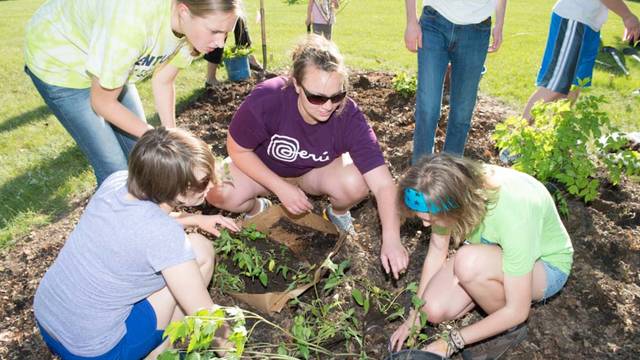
(163, 162)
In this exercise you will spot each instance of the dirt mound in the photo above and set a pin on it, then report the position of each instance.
(595, 316)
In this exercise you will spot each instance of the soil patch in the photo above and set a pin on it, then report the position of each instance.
(595, 316)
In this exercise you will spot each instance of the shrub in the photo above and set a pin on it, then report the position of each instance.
(405, 84)
(569, 143)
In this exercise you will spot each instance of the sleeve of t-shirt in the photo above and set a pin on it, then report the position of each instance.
(520, 232)
(362, 143)
(168, 246)
(182, 58)
(248, 127)
(116, 43)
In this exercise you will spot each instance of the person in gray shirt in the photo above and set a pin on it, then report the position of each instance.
(128, 268)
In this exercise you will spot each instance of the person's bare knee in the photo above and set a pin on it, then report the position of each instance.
(466, 265)
(205, 255)
(436, 312)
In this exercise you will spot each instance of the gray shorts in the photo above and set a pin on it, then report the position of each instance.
(323, 30)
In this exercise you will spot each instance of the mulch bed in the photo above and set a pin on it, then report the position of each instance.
(595, 316)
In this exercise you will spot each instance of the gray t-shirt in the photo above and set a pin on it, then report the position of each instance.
(111, 260)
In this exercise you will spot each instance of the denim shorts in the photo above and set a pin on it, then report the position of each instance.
(139, 340)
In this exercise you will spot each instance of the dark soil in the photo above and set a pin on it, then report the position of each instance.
(595, 316)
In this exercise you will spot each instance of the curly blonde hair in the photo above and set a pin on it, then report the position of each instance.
(442, 177)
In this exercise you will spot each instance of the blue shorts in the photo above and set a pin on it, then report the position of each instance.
(139, 340)
(570, 55)
(556, 279)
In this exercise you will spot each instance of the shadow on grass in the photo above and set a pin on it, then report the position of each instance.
(30, 116)
(39, 189)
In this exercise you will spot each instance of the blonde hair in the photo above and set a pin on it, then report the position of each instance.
(204, 7)
(163, 163)
(315, 50)
(459, 180)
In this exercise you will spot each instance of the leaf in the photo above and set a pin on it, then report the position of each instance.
(264, 280)
(170, 354)
(366, 304)
(272, 265)
(357, 296)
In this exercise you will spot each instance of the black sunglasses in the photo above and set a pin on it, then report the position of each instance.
(321, 99)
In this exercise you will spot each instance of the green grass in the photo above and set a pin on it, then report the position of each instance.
(42, 171)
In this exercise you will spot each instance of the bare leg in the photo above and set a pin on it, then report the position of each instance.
(445, 298)
(541, 94)
(239, 195)
(479, 271)
(212, 70)
(163, 302)
(340, 180)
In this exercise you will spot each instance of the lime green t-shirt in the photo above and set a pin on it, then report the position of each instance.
(117, 41)
(526, 225)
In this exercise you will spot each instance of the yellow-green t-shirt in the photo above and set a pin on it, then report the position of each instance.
(117, 41)
(526, 225)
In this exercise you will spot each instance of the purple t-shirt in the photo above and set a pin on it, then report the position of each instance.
(268, 121)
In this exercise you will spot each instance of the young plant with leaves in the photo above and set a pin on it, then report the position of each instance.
(572, 144)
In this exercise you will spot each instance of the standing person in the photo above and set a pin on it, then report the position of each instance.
(301, 135)
(321, 14)
(85, 56)
(517, 250)
(128, 268)
(214, 58)
(452, 32)
(572, 47)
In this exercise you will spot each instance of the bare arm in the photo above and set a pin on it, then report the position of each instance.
(187, 286)
(164, 94)
(292, 197)
(412, 32)
(309, 8)
(105, 103)
(393, 255)
(631, 23)
(501, 9)
(517, 291)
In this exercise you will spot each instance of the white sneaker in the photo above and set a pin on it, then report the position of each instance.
(264, 205)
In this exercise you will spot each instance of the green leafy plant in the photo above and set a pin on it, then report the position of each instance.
(247, 258)
(226, 282)
(198, 332)
(231, 52)
(405, 84)
(569, 143)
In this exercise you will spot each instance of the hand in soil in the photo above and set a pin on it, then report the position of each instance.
(210, 223)
(294, 199)
(394, 257)
(400, 336)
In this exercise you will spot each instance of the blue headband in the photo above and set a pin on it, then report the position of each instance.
(417, 201)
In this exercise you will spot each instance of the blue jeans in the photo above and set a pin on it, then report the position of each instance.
(465, 47)
(106, 147)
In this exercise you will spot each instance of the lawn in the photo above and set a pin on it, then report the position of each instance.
(42, 171)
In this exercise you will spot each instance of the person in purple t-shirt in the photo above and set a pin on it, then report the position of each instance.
(302, 134)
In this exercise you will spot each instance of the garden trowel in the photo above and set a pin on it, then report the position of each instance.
(629, 51)
(614, 54)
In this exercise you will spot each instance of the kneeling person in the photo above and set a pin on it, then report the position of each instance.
(302, 135)
(128, 268)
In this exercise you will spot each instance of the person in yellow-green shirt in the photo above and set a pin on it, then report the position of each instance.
(85, 56)
(517, 251)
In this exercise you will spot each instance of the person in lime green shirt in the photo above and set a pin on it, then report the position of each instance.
(85, 56)
(516, 252)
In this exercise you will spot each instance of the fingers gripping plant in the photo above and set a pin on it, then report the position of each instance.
(569, 143)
